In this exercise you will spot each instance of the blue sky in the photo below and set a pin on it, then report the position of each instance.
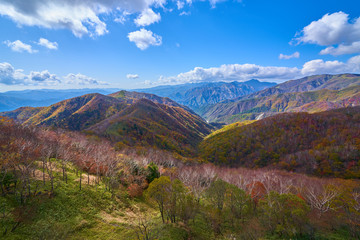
(143, 43)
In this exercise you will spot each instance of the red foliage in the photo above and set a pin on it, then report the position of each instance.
(135, 190)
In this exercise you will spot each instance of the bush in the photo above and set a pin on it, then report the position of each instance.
(135, 190)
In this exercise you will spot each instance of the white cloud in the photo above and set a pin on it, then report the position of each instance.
(46, 43)
(132, 76)
(11, 76)
(180, 4)
(355, 61)
(342, 49)
(19, 46)
(333, 29)
(82, 17)
(244, 72)
(286, 57)
(185, 13)
(147, 17)
(232, 72)
(44, 77)
(144, 38)
(123, 17)
(80, 79)
(214, 2)
(320, 66)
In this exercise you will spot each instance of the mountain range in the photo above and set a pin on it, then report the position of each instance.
(131, 119)
(192, 95)
(196, 95)
(139, 119)
(310, 94)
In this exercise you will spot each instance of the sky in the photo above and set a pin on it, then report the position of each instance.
(65, 44)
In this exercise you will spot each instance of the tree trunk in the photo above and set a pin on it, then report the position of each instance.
(80, 180)
(44, 172)
(52, 184)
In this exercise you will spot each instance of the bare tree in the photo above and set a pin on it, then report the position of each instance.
(320, 196)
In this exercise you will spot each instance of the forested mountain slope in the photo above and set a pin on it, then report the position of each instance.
(325, 143)
(127, 118)
(311, 94)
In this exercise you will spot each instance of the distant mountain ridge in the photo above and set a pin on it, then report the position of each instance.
(195, 95)
(311, 94)
(12, 100)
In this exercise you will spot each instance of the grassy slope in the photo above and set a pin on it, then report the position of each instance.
(87, 214)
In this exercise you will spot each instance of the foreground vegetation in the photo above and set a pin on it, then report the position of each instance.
(63, 185)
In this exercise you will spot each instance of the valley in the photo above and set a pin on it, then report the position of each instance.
(134, 165)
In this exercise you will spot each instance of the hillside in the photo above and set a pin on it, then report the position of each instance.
(146, 123)
(325, 143)
(132, 97)
(195, 95)
(311, 94)
(127, 118)
(74, 114)
(57, 184)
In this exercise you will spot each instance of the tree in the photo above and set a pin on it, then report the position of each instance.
(158, 191)
(177, 194)
(216, 193)
(152, 172)
(321, 197)
(283, 214)
(238, 203)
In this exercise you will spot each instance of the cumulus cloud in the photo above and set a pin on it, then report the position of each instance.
(286, 57)
(19, 46)
(244, 72)
(333, 29)
(11, 76)
(46, 43)
(320, 66)
(147, 17)
(144, 38)
(232, 72)
(43, 77)
(132, 76)
(342, 49)
(82, 17)
(80, 79)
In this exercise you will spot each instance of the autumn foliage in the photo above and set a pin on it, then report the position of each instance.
(323, 144)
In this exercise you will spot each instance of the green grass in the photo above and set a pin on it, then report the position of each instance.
(75, 214)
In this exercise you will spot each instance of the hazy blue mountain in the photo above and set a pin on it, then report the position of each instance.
(196, 95)
(43, 97)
